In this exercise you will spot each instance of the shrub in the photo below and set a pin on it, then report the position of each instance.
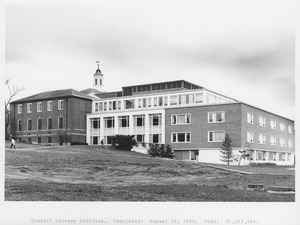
(124, 142)
(161, 150)
(78, 143)
(263, 164)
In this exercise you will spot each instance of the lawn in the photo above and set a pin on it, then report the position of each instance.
(88, 173)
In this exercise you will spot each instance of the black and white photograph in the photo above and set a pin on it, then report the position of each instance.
(149, 112)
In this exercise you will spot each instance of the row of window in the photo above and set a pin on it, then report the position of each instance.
(39, 106)
(273, 123)
(185, 137)
(273, 140)
(270, 156)
(158, 101)
(39, 124)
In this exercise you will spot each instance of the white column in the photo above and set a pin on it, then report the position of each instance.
(147, 127)
(102, 128)
(116, 129)
(163, 127)
(130, 124)
(88, 130)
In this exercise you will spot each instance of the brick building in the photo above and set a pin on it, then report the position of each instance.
(193, 120)
(51, 117)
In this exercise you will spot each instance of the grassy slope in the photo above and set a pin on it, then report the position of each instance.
(85, 173)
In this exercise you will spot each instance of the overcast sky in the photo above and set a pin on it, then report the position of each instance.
(242, 49)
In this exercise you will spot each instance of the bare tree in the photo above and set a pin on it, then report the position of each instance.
(13, 90)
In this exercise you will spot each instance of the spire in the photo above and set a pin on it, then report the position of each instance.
(98, 71)
(98, 78)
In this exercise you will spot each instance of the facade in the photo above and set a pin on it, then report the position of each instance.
(51, 117)
(193, 120)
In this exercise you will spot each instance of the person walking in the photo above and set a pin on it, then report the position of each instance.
(13, 143)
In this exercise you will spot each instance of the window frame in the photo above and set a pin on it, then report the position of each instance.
(214, 116)
(49, 106)
(252, 137)
(214, 131)
(186, 116)
(187, 137)
(29, 107)
(20, 108)
(264, 121)
(60, 105)
(252, 118)
(39, 109)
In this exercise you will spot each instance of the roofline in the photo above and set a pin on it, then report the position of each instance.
(161, 82)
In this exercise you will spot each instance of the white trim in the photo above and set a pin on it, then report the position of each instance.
(185, 137)
(264, 121)
(37, 106)
(214, 135)
(60, 105)
(29, 107)
(252, 136)
(48, 104)
(185, 118)
(215, 116)
(252, 118)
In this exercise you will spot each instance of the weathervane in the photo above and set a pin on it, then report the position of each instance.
(98, 62)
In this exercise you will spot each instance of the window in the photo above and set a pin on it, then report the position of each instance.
(140, 137)
(250, 136)
(20, 123)
(272, 140)
(60, 104)
(39, 107)
(19, 108)
(160, 101)
(39, 124)
(262, 139)
(110, 105)
(96, 107)
(181, 137)
(109, 122)
(216, 136)
(95, 123)
(216, 117)
(49, 139)
(123, 121)
(119, 105)
(155, 101)
(105, 106)
(282, 142)
(281, 156)
(173, 100)
(282, 127)
(250, 118)
(262, 121)
(290, 129)
(49, 106)
(211, 99)
(139, 121)
(199, 98)
(165, 100)
(39, 140)
(49, 123)
(155, 119)
(272, 156)
(290, 143)
(181, 119)
(29, 124)
(60, 122)
(273, 124)
(149, 102)
(129, 104)
(29, 107)
(139, 103)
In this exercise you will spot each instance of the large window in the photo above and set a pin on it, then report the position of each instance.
(173, 100)
(273, 124)
(109, 122)
(216, 136)
(39, 106)
(60, 104)
(262, 139)
(250, 136)
(123, 121)
(129, 104)
(272, 140)
(60, 122)
(290, 129)
(139, 120)
(29, 107)
(49, 123)
(181, 137)
(181, 119)
(282, 127)
(250, 118)
(39, 124)
(216, 117)
(20, 123)
(155, 119)
(199, 98)
(95, 123)
(262, 121)
(19, 108)
(29, 124)
(49, 106)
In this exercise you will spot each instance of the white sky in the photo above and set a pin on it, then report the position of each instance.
(242, 49)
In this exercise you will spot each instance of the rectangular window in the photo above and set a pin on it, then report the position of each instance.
(250, 118)
(95, 123)
(19, 108)
(129, 104)
(49, 123)
(271, 156)
(100, 106)
(181, 137)
(199, 98)
(119, 105)
(49, 106)
(155, 101)
(250, 136)
(282, 142)
(262, 139)
(181, 119)
(273, 124)
(216, 136)
(155, 119)
(96, 107)
(149, 102)
(60, 104)
(29, 124)
(182, 99)
(165, 100)
(39, 124)
(114, 105)
(281, 156)
(290, 144)
(139, 120)
(160, 101)
(262, 121)
(282, 127)
(290, 129)
(139, 103)
(216, 117)
(272, 140)
(123, 121)
(109, 122)
(173, 100)
(60, 122)
(39, 107)
(105, 106)
(20, 123)
(110, 105)
(49, 139)
(29, 107)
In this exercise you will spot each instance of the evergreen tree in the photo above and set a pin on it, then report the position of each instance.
(124, 142)
(226, 150)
